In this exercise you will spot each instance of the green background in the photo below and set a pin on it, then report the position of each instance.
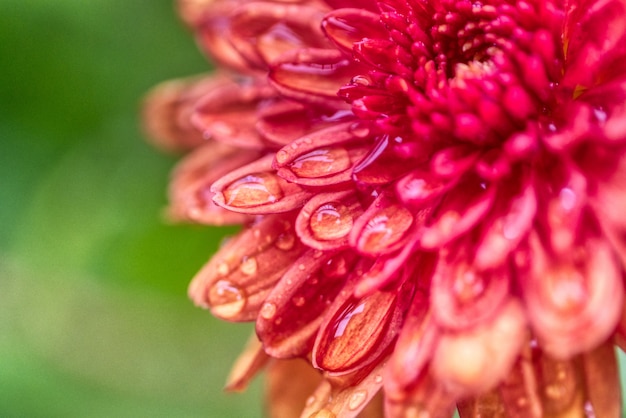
(94, 317)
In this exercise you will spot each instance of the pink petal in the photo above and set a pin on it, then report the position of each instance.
(252, 360)
(345, 27)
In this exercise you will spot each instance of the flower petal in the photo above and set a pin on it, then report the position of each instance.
(288, 385)
(476, 360)
(356, 332)
(347, 396)
(190, 196)
(573, 303)
(247, 365)
(322, 158)
(228, 113)
(263, 31)
(384, 227)
(325, 222)
(256, 189)
(292, 313)
(602, 381)
(347, 26)
(235, 283)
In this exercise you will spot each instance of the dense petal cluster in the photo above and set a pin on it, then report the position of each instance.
(431, 194)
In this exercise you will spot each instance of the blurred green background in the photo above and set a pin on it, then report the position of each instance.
(94, 318)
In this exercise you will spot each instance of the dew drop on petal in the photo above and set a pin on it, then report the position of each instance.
(223, 269)
(335, 267)
(357, 399)
(311, 400)
(378, 379)
(321, 162)
(385, 229)
(324, 413)
(299, 301)
(249, 266)
(331, 221)
(285, 241)
(268, 310)
(226, 299)
(253, 190)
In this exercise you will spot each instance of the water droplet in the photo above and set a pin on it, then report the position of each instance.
(321, 162)
(331, 221)
(467, 285)
(336, 267)
(301, 267)
(299, 301)
(285, 241)
(223, 269)
(384, 229)
(311, 400)
(360, 130)
(378, 379)
(357, 399)
(253, 190)
(248, 266)
(324, 413)
(268, 311)
(282, 157)
(226, 299)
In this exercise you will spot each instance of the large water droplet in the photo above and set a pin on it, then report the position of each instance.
(321, 162)
(226, 299)
(385, 229)
(249, 266)
(331, 221)
(268, 311)
(357, 399)
(253, 190)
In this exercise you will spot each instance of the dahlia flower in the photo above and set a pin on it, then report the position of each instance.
(431, 195)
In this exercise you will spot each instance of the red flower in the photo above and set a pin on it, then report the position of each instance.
(431, 193)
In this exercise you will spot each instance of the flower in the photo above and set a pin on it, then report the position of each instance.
(431, 193)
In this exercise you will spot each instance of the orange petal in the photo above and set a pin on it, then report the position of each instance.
(247, 365)
(289, 383)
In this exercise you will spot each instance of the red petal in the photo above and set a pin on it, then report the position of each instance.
(256, 189)
(283, 122)
(239, 277)
(292, 313)
(422, 187)
(313, 76)
(506, 226)
(356, 332)
(461, 210)
(345, 27)
(325, 222)
(322, 158)
(383, 228)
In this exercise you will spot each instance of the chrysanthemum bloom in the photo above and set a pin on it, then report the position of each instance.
(432, 194)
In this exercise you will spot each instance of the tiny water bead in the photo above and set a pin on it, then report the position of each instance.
(285, 241)
(357, 399)
(321, 162)
(226, 299)
(249, 266)
(331, 221)
(253, 190)
(268, 311)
